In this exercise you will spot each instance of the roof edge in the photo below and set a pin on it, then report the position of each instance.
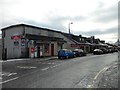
(28, 25)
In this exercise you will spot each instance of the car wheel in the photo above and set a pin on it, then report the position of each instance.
(80, 55)
(59, 57)
(74, 56)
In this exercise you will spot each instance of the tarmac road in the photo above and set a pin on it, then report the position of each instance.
(77, 72)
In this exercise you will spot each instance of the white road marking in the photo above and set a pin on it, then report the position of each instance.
(55, 66)
(100, 72)
(26, 67)
(3, 74)
(59, 64)
(9, 80)
(11, 60)
(11, 74)
(89, 86)
(48, 63)
(45, 68)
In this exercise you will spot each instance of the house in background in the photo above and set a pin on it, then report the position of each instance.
(77, 42)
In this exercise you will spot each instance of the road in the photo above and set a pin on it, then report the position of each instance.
(79, 72)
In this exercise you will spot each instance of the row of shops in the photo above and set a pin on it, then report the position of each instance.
(27, 41)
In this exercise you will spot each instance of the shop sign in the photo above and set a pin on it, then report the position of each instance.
(23, 42)
(16, 43)
(74, 45)
(31, 42)
(32, 50)
(16, 37)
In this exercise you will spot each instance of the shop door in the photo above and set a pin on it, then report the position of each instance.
(38, 52)
(52, 49)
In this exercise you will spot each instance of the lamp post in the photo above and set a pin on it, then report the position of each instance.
(69, 28)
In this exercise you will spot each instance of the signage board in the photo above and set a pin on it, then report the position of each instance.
(23, 42)
(74, 45)
(16, 37)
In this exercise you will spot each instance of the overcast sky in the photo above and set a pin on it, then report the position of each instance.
(97, 18)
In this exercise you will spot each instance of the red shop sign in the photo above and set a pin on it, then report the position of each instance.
(32, 50)
(15, 37)
(74, 45)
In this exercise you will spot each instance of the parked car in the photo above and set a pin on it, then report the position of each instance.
(97, 52)
(104, 50)
(65, 53)
(110, 50)
(79, 52)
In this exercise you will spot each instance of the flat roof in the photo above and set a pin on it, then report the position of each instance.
(32, 26)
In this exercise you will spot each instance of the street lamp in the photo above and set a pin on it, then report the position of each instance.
(69, 28)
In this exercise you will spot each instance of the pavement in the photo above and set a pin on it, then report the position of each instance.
(35, 59)
(30, 59)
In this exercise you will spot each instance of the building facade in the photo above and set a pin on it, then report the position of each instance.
(27, 41)
(21, 41)
(0, 49)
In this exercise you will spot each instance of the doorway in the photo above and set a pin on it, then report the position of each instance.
(52, 49)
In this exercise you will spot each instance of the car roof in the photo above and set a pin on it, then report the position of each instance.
(77, 50)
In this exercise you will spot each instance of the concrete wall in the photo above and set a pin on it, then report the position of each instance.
(0, 49)
(36, 31)
(0, 52)
(12, 50)
(15, 52)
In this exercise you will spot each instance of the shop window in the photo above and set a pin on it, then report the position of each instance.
(46, 48)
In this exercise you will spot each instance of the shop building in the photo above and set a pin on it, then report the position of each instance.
(23, 41)
(0, 49)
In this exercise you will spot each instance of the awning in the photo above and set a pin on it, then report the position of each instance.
(44, 38)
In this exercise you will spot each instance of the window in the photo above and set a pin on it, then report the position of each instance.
(82, 39)
(46, 48)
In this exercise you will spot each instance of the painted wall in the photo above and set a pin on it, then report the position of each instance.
(36, 31)
(15, 51)
(0, 49)
(12, 50)
(0, 52)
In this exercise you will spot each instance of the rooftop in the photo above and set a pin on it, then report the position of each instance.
(32, 26)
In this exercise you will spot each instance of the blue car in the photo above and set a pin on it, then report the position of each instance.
(65, 53)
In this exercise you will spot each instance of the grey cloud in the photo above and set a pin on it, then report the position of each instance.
(57, 22)
(65, 18)
(105, 15)
(98, 32)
